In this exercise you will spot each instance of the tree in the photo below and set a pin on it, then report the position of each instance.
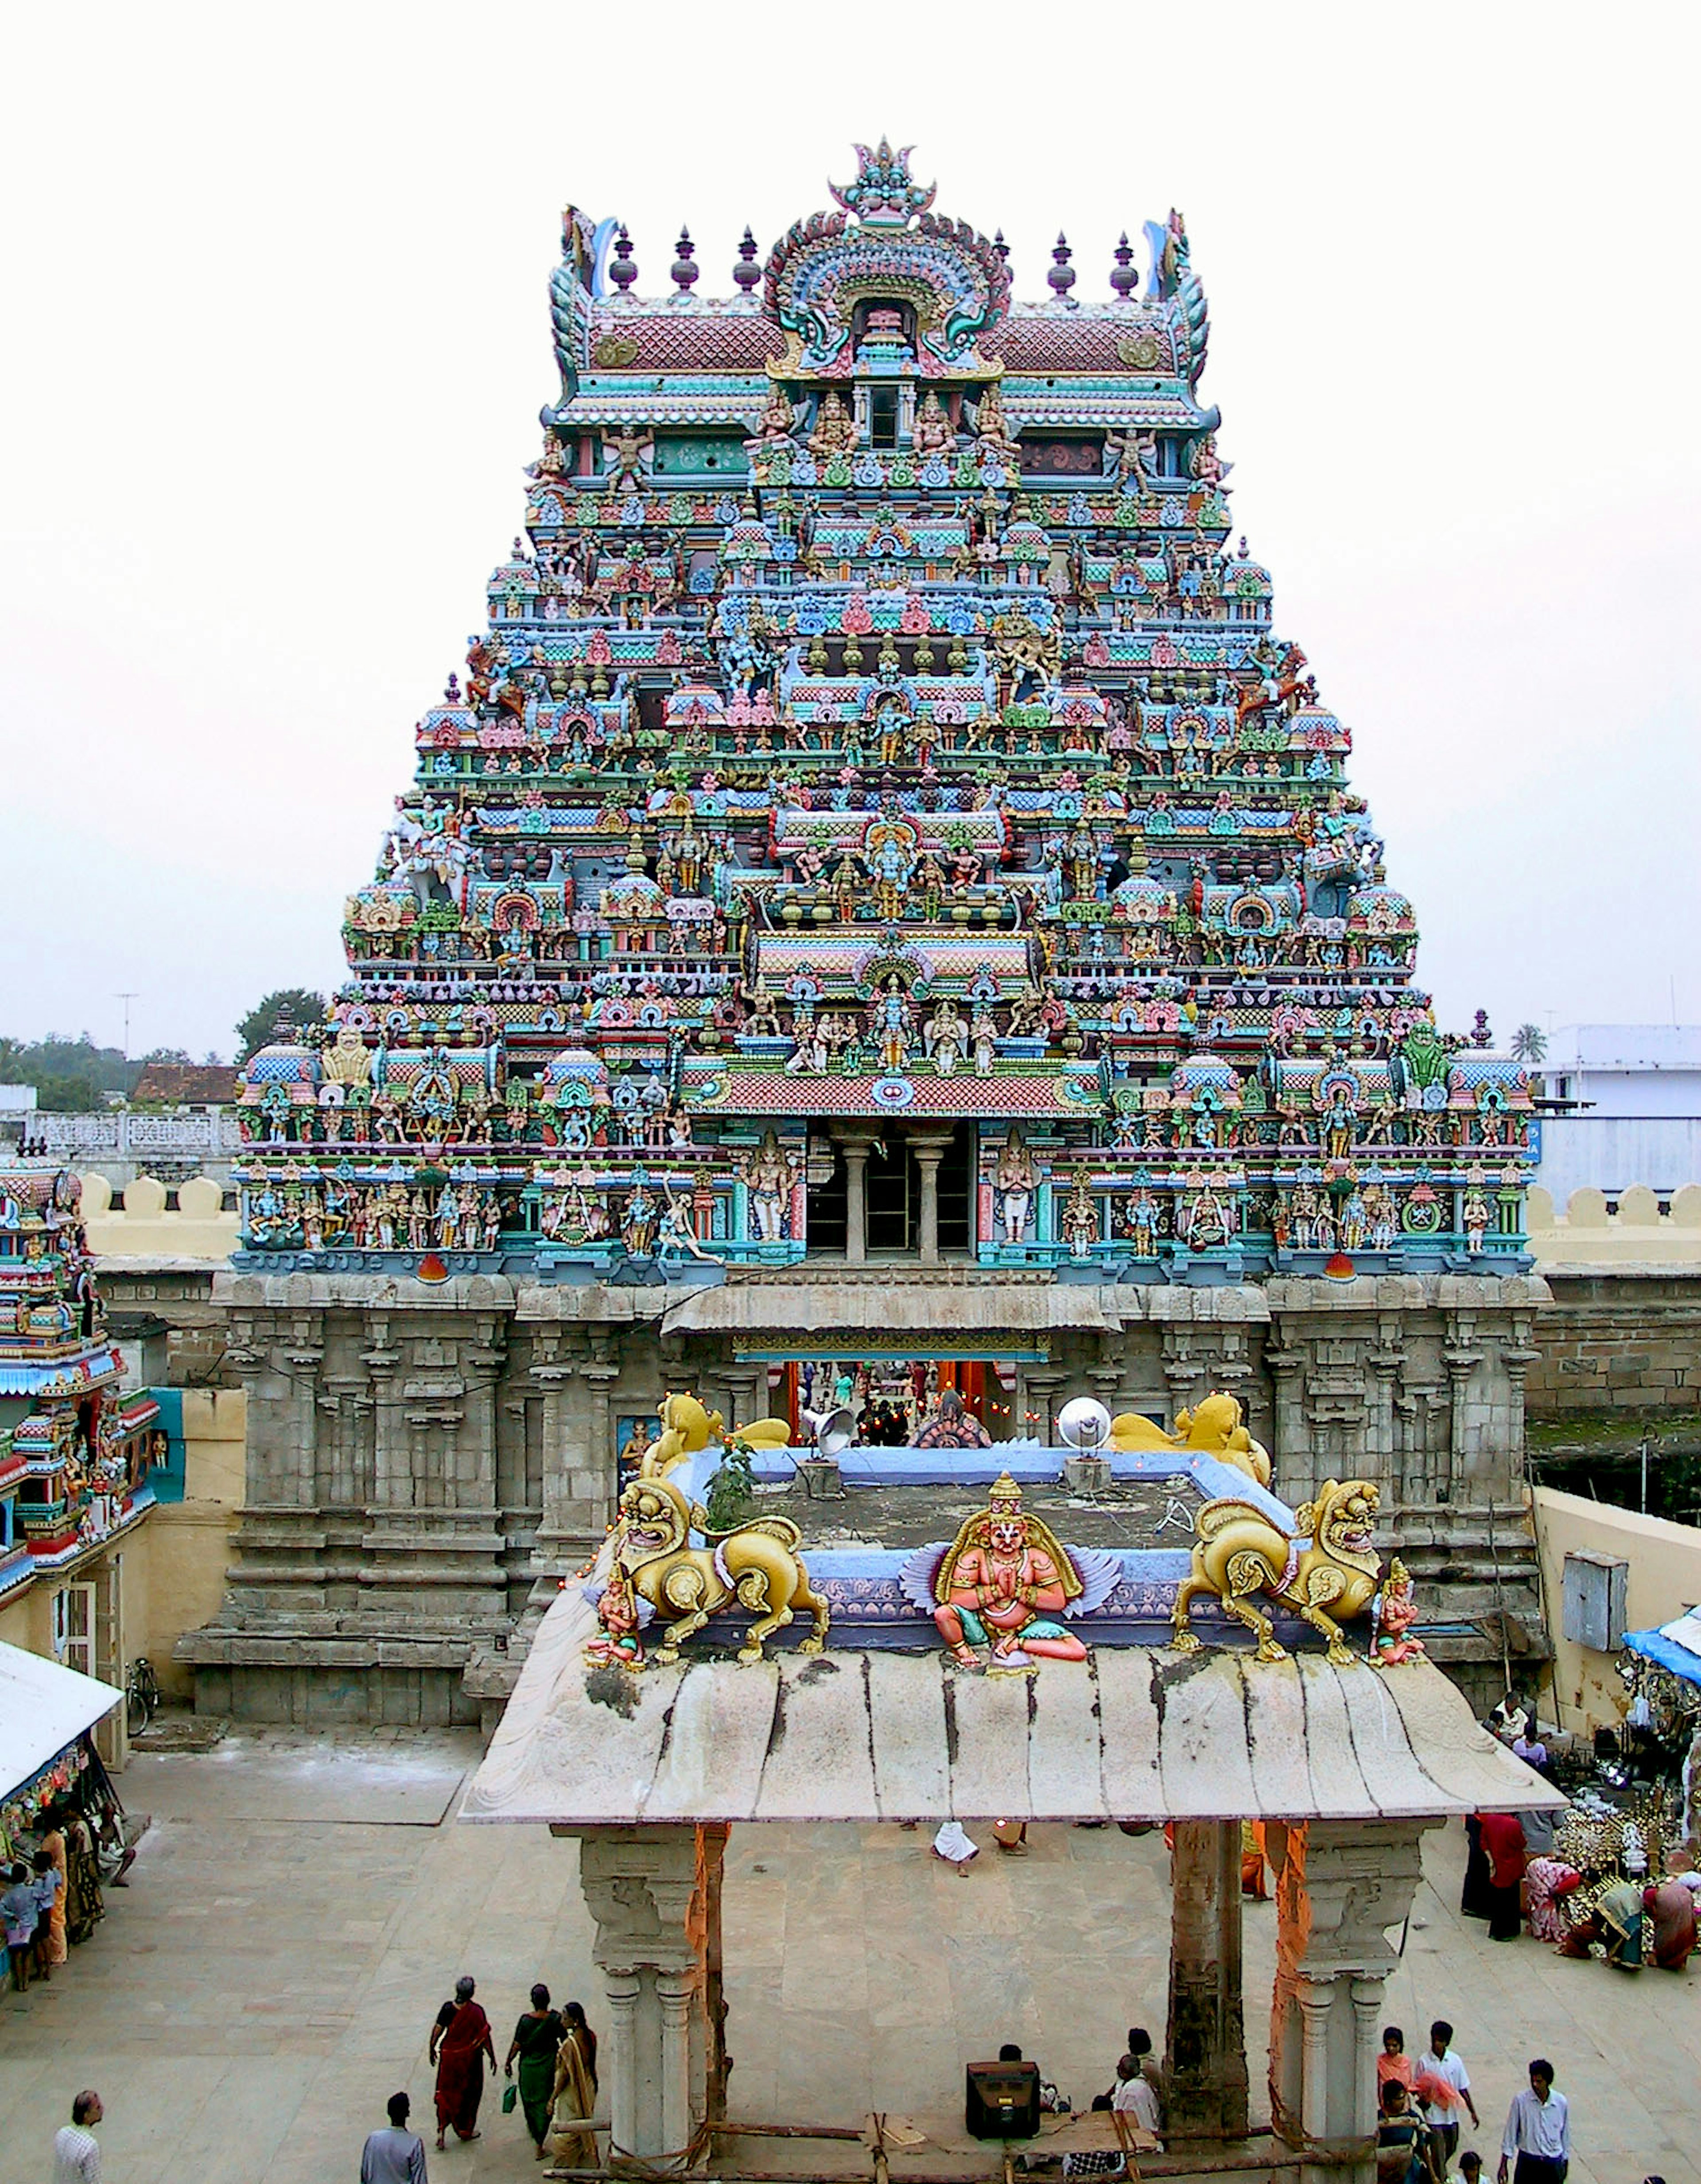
(71, 1076)
(293, 1005)
(1529, 1044)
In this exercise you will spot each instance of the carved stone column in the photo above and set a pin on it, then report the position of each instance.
(1043, 1388)
(1291, 1450)
(928, 1147)
(856, 1145)
(1206, 2059)
(1341, 1885)
(655, 1895)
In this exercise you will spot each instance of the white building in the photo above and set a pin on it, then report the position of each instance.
(1630, 1101)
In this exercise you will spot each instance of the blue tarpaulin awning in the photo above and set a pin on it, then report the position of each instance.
(1675, 1646)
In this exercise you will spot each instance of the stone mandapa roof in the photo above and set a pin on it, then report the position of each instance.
(186, 1085)
(1134, 1733)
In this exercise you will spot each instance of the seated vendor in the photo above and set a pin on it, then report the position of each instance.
(1134, 2097)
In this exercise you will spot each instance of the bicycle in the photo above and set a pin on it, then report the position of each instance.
(140, 1694)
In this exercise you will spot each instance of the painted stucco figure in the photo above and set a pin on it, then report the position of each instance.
(1213, 1427)
(1325, 1570)
(1001, 1593)
(755, 1566)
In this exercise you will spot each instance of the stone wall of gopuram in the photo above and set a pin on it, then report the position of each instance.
(426, 1463)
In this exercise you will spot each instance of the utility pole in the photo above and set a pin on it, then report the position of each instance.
(126, 999)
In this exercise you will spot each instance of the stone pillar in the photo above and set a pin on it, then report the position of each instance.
(1205, 2058)
(856, 1145)
(1043, 1389)
(655, 1895)
(1462, 1354)
(929, 1148)
(1341, 1885)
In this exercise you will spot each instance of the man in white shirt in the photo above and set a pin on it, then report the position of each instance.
(1134, 2097)
(1539, 2131)
(1442, 2116)
(76, 2150)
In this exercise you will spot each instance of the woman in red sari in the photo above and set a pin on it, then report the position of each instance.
(460, 2034)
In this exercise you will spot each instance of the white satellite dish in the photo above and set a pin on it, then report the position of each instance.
(1085, 1424)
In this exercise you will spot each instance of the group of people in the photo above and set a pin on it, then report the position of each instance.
(1134, 2092)
(1626, 1919)
(551, 2058)
(50, 1888)
(1421, 2102)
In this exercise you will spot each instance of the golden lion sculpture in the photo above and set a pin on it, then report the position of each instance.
(1325, 1570)
(755, 1563)
(1214, 1427)
(687, 1428)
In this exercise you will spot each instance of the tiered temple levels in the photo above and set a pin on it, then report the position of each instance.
(73, 1452)
(880, 817)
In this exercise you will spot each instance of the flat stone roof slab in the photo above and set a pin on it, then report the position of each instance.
(1135, 1733)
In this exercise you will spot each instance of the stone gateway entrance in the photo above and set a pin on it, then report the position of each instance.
(1346, 1769)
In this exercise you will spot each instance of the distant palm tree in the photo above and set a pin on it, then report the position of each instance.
(1529, 1044)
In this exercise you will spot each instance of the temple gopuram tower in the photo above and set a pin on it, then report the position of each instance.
(881, 910)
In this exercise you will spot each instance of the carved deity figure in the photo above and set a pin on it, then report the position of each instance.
(1392, 1613)
(933, 435)
(624, 453)
(1079, 1225)
(616, 1644)
(834, 433)
(347, 1060)
(992, 431)
(1141, 1221)
(777, 420)
(946, 1037)
(891, 1027)
(1129, 458)
(984, 1040)
(1003, 1583)
(767, 1175)
(1013, 1178)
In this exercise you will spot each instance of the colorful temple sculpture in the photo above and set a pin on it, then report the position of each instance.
(76, 1451)
(881, 892)
(881, 748)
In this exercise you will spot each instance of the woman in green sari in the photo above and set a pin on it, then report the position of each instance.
(536, 2038)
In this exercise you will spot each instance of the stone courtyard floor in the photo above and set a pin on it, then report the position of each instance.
(299, 1907)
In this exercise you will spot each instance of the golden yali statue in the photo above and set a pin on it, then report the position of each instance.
(1213, 1428)
(1325, 1569)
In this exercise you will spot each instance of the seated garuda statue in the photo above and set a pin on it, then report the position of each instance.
(1006, 1582)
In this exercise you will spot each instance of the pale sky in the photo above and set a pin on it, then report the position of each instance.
(277, 335)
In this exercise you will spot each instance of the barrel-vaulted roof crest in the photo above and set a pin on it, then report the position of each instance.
(884, 194)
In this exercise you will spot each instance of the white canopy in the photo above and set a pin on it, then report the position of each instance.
(43, 1707)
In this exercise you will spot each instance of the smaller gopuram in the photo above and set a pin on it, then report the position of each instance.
(881, 898)
(951, 1643)
(75, 1451)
